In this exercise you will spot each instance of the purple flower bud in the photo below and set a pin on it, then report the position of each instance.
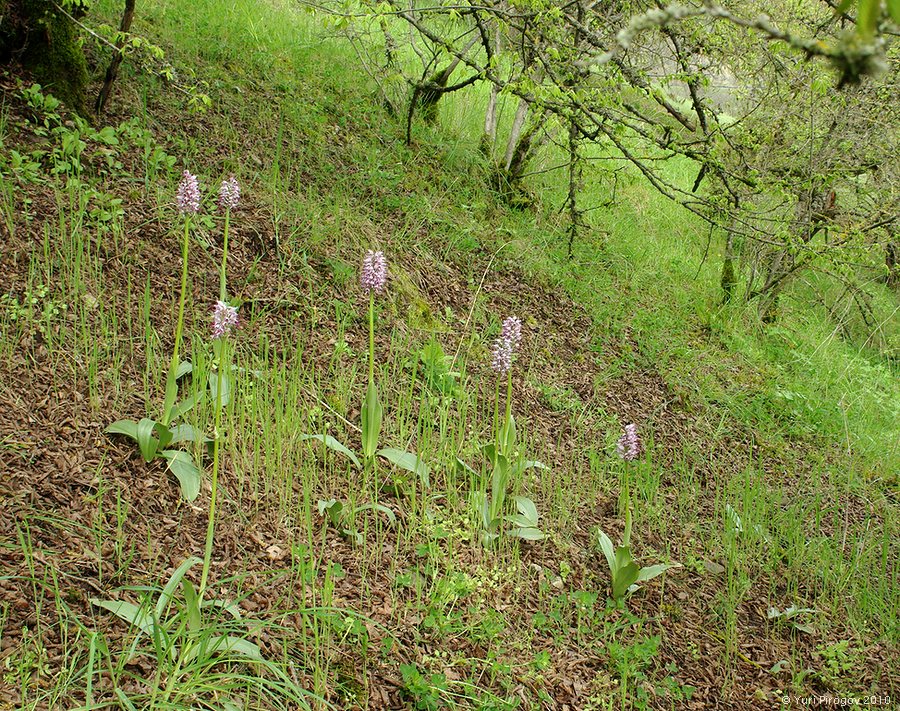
(512, 331)
(188, 196)
(501, 360)
(225, 318)
(229, 193)
(629, 445)
(373, 275)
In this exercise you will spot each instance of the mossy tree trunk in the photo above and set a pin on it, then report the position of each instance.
(47, 43)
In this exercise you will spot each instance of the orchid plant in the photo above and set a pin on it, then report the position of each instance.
(624, 572)
(373, 280)
(155, 438)
(507, 463)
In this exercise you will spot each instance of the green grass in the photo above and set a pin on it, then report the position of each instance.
(792, 428)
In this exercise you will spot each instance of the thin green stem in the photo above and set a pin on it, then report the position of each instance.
(179, 327)
(508, 407)
(371, 338)
(210, 528)
(497, 434)
(223, 294)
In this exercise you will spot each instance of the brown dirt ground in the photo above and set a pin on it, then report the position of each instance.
(54, 448)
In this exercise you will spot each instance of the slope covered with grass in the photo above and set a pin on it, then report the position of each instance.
(769, 461)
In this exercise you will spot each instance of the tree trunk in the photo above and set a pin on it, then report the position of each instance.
(729, 278)
(514, 133)
(431, 91)
(489, 137)
(113, 69)
(892, 262)
(46, 42)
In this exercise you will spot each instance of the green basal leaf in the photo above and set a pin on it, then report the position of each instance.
(624, 579)
(527, 508)
(334, 445)
(499, 480)
(867, 15)
(165, 596)
(184, 367)
(372, 413)
(490, 452)
(333, 509)
(147, 443)
(188, 433)
(532, 464)
(508, 436)
(227, 387)
(528, 533)
(124, 427)
(185, 406)
(378, 507)
(192, 603)
(132, 614)
(224, 645)
(651, 571)
(520, 521)
(609, 551)
(408, 461)
(182, 465)
(488, 538)
(164, 434)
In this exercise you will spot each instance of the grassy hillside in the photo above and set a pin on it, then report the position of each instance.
(769, 465)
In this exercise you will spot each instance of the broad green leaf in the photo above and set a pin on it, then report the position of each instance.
(487, 538)
(624, 578)
(408, 461)
(606, 545)
(625, 572)
(528, 533)
(490, 452)
(184, 406)
(184, 367)
(182, 465)
(164, 434)
(651, 571)
(520, 521)
(335, 446)
(227, 387)
(224, 645)
(229, 606)
(192, 603)
(165, 596)
(147, 443)
(372, 413)
(238, 645)
(532, 464)
(124, 427)
(187, 433)
(527, 508)
(508, 436)
(131, 613)
(333, 509)
(499, 480)
(378, 507)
